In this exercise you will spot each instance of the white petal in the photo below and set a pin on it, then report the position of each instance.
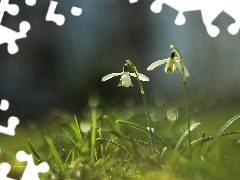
(126, 80)
(142, 77)
(170, 67)
(179, 68)
(109, 76)
(156, 64)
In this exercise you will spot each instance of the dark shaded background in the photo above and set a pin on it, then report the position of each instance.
(62, 66)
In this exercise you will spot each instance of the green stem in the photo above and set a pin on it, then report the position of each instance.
(186, 97)
(144, 100)
(93, 134)
(101, 137)
(187, 114)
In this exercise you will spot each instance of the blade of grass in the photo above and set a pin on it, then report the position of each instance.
(123, 140)
(109, 140)
(77, 130)
(71, 139)
(34, 151)
(55, 153)
(206, 139)
(141, 128)
(163, 154)
(68, 156)
(200, 141)
(194, 126)
(112, 142)
(115, 131)
(220, 132)
(73, 156)
(101, 137)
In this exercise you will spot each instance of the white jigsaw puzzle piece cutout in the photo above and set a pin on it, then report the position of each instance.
(10, 130)
(133, 1)
(4, 170)
(4, 105)
(76, 11)
(12, 123)
(31, 171)
(12, 9)
(8, 35)
(59, 19)
(209, 10)
(30, 2)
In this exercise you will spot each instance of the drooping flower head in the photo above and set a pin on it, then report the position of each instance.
(172, 65)
(125, 79)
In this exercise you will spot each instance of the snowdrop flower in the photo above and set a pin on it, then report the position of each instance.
(125, 79)
(173, 63)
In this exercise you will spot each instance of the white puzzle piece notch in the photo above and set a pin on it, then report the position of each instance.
(59, 19)
(4, 170)
(4, 105)
(30, 2)
(76, 11)
(8, 35)
(133, 1)
(209, 10)
(31, 171)
(12, 9)
(12, 121)
(10, 130)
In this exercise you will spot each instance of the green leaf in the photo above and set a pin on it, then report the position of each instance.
(34, 151)
(141, 128)
(194, 126)
(220, 132)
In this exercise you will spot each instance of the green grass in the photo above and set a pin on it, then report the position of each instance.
(119, 148)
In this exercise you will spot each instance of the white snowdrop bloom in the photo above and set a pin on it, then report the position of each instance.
(173, 63)
(125, 79)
